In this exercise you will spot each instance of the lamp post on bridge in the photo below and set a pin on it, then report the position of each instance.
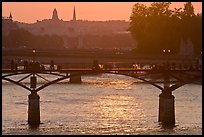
(33, 98)
(167, 52)
(166, 99)
(33, 55)
(33, 80)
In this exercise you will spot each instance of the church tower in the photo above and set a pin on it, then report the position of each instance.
(54, 15)
(74, 15)
(10, 16)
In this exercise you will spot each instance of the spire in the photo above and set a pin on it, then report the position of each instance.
(54, 15)
(10, 16)
(74, 15)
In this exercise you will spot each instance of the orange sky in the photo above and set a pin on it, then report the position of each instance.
(29, 12)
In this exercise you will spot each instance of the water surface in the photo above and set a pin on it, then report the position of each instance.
(104, 104)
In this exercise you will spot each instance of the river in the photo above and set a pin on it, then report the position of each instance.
(103, 104)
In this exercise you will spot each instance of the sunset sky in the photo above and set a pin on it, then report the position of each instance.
(29, 12)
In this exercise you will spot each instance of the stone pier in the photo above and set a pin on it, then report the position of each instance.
(166, 109)
(33, 103)
(75, 79)
(33, 109)
(166, 104)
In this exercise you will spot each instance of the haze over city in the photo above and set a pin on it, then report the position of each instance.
(30, 12)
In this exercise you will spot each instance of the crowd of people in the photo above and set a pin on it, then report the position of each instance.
(30, 65)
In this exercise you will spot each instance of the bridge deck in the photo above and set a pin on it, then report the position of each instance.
(68, 70)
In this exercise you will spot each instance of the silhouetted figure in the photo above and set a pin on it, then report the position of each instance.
(59, 67)
(95, 65)
(107, 66)
(12, 64)
(25, 63)
(154, 67)
(29, 65)
(37, 66)
(52, 65)
(16, 66)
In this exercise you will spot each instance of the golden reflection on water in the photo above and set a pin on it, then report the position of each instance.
(118, 112)
(116, 84)
(116, 107)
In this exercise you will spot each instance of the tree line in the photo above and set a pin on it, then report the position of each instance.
(20, 38)
(157, 27)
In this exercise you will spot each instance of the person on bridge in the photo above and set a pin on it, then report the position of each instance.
(12, 64)
(16, 66)
(52, 65)
(59, 67)
(25, 63)
(95, 65)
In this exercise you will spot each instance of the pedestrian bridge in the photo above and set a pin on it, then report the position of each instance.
(171, 78)
(181, 77)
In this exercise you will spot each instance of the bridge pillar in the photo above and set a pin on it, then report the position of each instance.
(75, 79)
(166, 109)
(33, 109)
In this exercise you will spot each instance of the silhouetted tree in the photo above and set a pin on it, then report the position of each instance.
(157, 27)
(188, 10)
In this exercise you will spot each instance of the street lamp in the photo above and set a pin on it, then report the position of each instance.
(33, 55)
(167, 52)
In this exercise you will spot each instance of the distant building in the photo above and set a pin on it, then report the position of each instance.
(73, 32)
(8, 25)
(61, 27)
(74, 15)
(48, 26)
(55, 16)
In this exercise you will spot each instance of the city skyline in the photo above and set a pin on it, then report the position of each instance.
(93, 11)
